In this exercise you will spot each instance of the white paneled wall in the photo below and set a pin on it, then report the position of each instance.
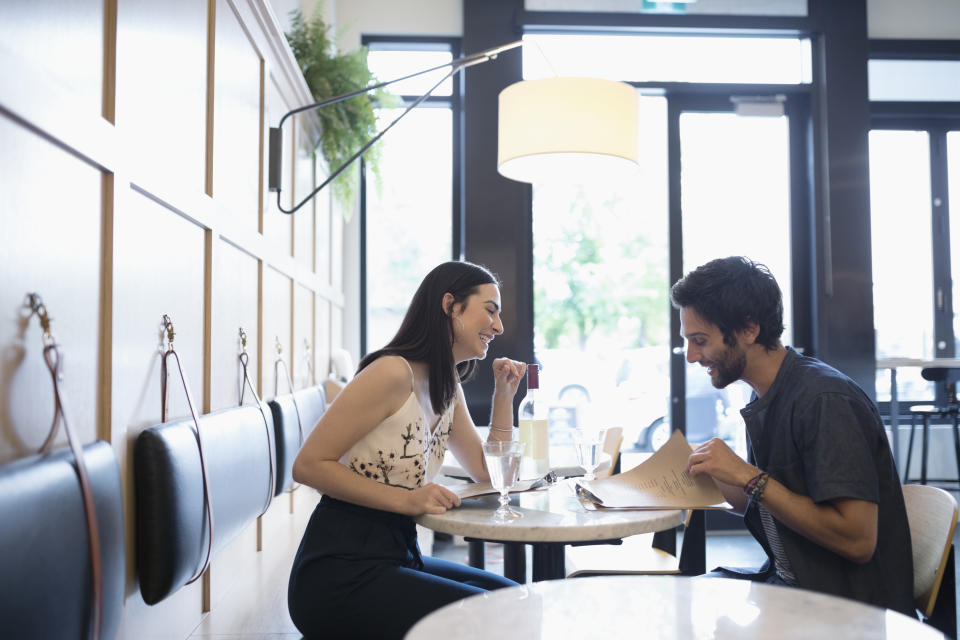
(133, 158)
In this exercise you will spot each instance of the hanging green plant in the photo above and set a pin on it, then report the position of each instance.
(348, 125)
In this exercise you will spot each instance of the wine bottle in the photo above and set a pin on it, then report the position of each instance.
(533, 428)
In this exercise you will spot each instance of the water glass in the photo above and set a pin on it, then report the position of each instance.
(503, 463)
(589, 444)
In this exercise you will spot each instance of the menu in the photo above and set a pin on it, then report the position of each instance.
(476, 489)
(659, 482)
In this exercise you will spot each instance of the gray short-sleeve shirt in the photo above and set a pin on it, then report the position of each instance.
(816, 432)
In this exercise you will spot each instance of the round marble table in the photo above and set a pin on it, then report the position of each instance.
(665, 607)
(551, 519)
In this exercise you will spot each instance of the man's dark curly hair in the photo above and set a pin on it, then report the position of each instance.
(731, 293)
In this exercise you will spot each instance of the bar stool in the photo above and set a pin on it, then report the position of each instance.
(949, 376)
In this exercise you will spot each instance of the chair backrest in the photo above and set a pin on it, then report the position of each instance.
(611, 446)
(932, 516)
(171, 525)
(45, 578)
(292, 413)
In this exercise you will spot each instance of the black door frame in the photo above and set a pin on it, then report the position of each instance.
(937, 120)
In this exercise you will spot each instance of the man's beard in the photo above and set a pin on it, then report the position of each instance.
(729, 367)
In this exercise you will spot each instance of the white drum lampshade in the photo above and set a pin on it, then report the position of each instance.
(563, 129)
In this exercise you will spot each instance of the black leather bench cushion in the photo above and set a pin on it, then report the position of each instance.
(45, 582)
(311, 404)
(171, 519)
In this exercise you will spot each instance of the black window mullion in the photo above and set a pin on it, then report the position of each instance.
(678, 386)
(457, 123)
(802, 218)
(942, 278)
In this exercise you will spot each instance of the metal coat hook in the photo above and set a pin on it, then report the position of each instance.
(168, 327)
(35, 303)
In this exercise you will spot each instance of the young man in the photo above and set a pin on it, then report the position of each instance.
(820, 492)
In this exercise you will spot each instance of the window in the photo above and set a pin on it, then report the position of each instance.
(899, 216)
(410, 214)
(914, 171)
(669, 58)
(704, 7)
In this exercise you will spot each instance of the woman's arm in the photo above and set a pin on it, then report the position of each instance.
(464, 441)
(506, 375)
(373, 395)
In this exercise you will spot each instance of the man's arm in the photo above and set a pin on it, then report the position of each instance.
(846, 526)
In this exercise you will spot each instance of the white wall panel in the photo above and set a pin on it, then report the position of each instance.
(236, 131)
(302, 334)
(235, 305)
(62, 40)
(49, 244)
(276, 326)
(159, 262)
(161, 90)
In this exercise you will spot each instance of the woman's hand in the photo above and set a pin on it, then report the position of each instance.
(431, 498)
(507, 374)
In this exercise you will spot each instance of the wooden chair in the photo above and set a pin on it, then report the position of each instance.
(636, 555)
(932, 516)
(611, 446)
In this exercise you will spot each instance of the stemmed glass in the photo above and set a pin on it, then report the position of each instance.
(503, 463)
(589, 445)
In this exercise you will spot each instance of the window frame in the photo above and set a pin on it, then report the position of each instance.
(936, 119)
(454, 102)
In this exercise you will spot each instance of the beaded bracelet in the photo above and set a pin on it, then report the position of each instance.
(755, 486)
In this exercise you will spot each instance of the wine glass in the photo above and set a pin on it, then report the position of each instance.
(589, 445)
(503, 463)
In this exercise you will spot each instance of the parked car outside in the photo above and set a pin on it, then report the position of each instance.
(631, 389)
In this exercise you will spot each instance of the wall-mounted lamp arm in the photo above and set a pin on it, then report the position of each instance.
(276, 136)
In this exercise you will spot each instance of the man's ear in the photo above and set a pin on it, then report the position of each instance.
(447, 303)
(749, 334)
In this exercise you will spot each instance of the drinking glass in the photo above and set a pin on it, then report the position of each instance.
(503, 462)
(589, 445)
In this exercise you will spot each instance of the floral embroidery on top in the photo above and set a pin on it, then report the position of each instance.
(400, 451)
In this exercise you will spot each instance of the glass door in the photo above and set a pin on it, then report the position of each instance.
(900, 199)
(601, 284)
(713, 183)
(732, 196)
(914, 171)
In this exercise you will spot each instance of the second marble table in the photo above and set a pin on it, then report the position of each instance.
(664, 608)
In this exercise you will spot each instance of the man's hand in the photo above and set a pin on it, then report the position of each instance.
(719, 461)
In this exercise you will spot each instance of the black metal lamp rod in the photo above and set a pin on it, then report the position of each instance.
(276, 136)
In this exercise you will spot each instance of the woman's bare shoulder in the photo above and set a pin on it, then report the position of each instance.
(392, 373)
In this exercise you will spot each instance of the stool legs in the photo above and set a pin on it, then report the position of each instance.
(956, 440)
(925, 443)
(906, 468)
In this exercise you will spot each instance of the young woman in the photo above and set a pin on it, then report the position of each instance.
(359, 572)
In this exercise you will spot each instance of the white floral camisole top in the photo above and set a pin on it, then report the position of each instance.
(401, 451)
